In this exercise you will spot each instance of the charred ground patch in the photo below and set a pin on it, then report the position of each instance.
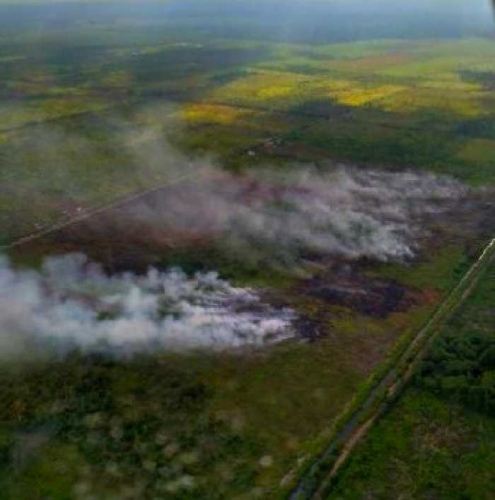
(346, 286)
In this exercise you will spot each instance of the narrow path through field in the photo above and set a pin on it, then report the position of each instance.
(317, 481)
(57, 226)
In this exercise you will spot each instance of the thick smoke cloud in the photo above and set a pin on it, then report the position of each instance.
(72, 305)
(276, 216)
(279, 218)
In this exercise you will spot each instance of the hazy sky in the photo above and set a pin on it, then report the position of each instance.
(395, 4)
(481, 6)
(287, 19)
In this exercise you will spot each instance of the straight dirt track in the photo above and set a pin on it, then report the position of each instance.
(58, 226)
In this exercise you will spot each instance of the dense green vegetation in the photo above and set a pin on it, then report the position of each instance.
(169, 426)
(439, 439)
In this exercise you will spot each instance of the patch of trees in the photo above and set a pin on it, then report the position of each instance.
(461, 366)
(484, 78)
(478, 128)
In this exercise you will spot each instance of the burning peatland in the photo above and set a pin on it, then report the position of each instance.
(71, 305)
(271, 219)
(263, 221)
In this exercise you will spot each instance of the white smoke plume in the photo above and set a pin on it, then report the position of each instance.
(281, 216)
(275, 216)
(70, 304)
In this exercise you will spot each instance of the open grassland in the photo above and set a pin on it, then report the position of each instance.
(438, 441)
(392, 103)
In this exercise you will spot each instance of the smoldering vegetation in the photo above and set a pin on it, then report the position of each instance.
(71, 305)
(274, 219)
(280, 219)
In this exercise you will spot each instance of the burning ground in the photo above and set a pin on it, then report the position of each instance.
(302, 222)
(273, 219)
(72, 305)
(344, 212)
